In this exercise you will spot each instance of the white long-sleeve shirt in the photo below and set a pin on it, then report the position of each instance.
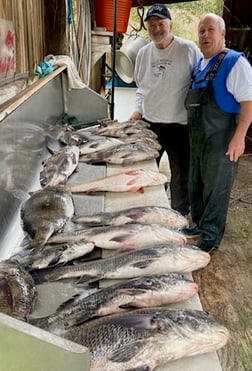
(163, 77)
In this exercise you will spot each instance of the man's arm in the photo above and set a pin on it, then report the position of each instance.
(237, 144)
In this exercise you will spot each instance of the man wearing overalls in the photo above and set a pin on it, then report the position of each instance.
(219, 106)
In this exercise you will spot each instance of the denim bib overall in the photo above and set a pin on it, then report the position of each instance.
(211, 172)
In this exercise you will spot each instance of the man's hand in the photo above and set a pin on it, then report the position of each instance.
(236, 148)
(136, 116)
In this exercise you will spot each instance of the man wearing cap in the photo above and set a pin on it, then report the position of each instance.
(162, 74)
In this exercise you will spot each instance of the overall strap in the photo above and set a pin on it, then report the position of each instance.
(220, 58)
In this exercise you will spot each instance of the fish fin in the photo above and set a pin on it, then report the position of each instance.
(41, 275)
(141, 368)
(127, 352)
(88, 279)
(141, 190)
(56, 258)
(132, 172)
(143, 263)
(134, 189)
(121, 238)
(124, 250)
(128, 306)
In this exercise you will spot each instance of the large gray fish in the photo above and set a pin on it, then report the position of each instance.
(125, 154)
(46, 212)
(131, 129)
(128, 181)
(52, 255)
(115, 125)
(59, 166)
(144, 339)
(144, 141)
(124, 237)
(18, 292)
(138, 263)
(99, 144)
(141, 214)
(141, 292)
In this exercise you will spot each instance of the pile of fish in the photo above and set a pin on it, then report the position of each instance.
(148, 252)
(141, 292)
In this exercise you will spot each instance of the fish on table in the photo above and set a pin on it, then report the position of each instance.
(45, 212)
(52, 255)
(144, 141)
(59, 166)
(124, 237)
(18, 291)
(143, 292)
(117, 125)
(124, 154)
(117, 132)
(144, 339)
(138, 263)
(99, 144)
(128, 181)
(141, 214)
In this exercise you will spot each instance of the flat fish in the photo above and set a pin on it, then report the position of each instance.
(59, 166)
(124, 237)
(141, 214)
(137, 263)
(129, 181)
(18, 292)
(144, 339)
(45, 212)
(124, 154)
(143, 292)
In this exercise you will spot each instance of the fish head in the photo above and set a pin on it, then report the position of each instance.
(194, 331)
(190, 256)
(177, 220)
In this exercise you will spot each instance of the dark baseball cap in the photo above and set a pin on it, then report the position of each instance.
(158, 10)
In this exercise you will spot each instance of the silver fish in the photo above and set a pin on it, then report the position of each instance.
(125, 154)
(98, 145)
(18, 292)
(52, 255)
(144, 339)
(129, 181)
(138, 263)
(124, 237)
(141, 292)
(117, 132)
(58, 167)
(46, 212)
(141, 214)
(115, 125)
(144, 141)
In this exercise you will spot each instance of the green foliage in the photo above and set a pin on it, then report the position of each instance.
(185, 17)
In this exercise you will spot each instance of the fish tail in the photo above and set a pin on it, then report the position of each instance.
(40, 322)
(42, 275)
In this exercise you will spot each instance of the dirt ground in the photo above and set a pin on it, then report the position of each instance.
(225, 284)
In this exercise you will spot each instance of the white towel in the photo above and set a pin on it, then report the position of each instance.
(74, 80)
